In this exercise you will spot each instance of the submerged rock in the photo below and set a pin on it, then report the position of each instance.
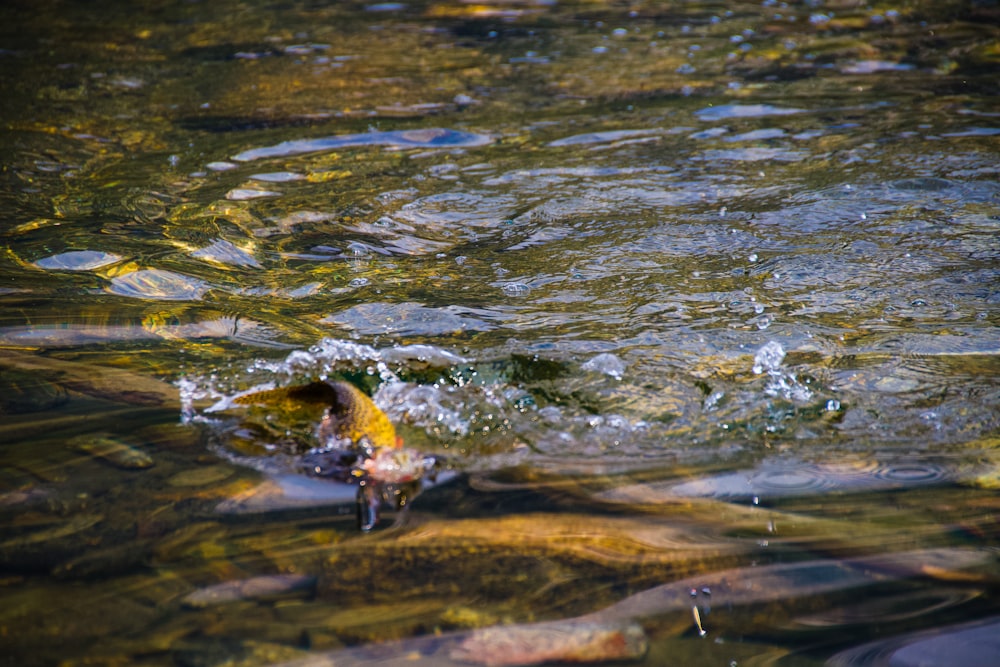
(560, 641)
(202, 476)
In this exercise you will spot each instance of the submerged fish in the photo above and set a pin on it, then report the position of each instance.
(112, 451)
(267, 587)
(350, 415)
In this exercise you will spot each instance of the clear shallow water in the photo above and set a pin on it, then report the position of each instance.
(668, 291)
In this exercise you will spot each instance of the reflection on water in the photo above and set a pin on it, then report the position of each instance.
(694, 305)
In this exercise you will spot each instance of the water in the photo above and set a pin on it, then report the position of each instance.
(680, 298)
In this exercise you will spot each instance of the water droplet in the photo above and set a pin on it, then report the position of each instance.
(606, 363)
(358, 249)
(768, 358)
(516, 289)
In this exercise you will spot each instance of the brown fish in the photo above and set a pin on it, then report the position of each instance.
(350, 414)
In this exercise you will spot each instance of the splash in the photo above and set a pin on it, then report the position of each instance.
(782, 383)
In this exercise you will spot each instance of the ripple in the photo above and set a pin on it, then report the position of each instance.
(727, 111)
(243, 194)
(453, 209)
(975, 132)
(792, 481)
(758, 135)
(967, 645)
(71, 335)
(772, 479)
(923, 184)
(386, 7)
(278, 177)
(428, 138)
(874, 66)
(225, 252)
(411, 319)
(158, 284)
(887, 609)
(912, 472)
(602, 137)
(78, 260)
(753, 154)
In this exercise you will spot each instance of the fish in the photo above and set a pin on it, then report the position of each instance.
(265, 587)
(112, 451)
(358, 444)
(350, 414)
(75, 525)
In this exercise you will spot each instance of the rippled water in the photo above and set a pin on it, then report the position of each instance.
(695, 305)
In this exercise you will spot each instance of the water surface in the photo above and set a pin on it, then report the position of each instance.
(681, 296)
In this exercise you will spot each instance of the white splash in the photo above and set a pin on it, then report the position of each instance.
(606, 363)
(769, 360)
